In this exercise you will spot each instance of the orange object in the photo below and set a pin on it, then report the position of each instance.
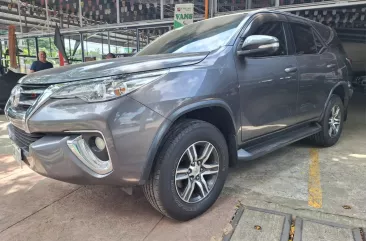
(62, 61)
(206, 9)
(12, 47)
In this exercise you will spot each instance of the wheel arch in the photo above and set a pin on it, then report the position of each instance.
(190, 111)
(341, 90)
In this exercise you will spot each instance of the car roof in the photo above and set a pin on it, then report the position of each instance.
(314, 24)
(264, 10)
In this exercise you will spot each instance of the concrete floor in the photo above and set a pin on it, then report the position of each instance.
(36, 208)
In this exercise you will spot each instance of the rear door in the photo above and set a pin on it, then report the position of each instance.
(317, 69)
(268, 84)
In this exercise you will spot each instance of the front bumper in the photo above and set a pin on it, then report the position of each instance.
(127, 127)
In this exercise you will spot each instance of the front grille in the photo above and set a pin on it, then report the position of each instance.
(22, 138)
(28, 96)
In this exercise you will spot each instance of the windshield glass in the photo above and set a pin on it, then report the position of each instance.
(201, 36)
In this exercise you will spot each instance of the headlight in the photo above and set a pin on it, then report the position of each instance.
(107, 88)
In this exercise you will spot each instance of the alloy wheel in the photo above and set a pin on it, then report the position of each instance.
(334, 121)
(197, 172)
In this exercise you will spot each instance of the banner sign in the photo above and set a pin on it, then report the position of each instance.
(183, 14)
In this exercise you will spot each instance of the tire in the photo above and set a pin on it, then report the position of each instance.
(324, 138)
(165, 193)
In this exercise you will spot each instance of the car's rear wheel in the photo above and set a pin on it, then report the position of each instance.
(332, 123)
(190, 171)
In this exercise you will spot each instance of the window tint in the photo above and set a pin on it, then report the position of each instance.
(201, 36)
(324, 31)
(304, 39)
(274, 29)
(318, 43)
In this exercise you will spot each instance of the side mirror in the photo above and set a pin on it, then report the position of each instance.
(259, 45)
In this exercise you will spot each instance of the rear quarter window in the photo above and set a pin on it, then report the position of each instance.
(324, 31)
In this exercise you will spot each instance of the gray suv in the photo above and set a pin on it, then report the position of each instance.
(195, 101)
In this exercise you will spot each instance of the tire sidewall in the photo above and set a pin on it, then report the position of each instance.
(169, 197)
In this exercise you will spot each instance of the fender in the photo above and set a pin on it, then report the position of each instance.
(346, 97)
(165, 127)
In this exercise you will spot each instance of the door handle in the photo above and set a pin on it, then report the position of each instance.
(291, 70)
(331, 66)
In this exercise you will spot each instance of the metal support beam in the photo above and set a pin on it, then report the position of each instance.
(70, 53)
(102, 45)
(82, 47)
(47, 17)
(109, 43)
(249, 4)
(28, 46)
(137, 40)
(161, 9)
(37, 47)
(80, 16)
(215, 7)
(50, 43)
(1, 57)
(20, 18)
(118, 11)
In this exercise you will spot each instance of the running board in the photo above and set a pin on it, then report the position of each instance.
(259, 149)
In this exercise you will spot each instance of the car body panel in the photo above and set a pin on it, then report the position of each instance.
(203, 82)
(318, 73)
(268, 95)
(111, 67)
(127, 126)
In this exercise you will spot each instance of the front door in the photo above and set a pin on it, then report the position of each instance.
(268, 84)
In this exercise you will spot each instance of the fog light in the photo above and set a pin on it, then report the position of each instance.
(81, 149)
(99, 143)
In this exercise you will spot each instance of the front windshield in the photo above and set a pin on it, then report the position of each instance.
(201, 36)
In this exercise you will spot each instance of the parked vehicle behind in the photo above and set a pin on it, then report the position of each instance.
(7, 82)
(195, 101)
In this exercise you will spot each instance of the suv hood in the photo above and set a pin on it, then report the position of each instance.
(112, 67)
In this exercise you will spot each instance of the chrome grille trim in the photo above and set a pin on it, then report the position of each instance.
(39, 102)
(27, 102)
(35, 91)
(31, 98)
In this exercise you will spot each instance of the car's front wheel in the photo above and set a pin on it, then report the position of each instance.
(190, 170)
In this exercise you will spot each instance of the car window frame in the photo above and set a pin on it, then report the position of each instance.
(244, 33)
(229, 41)
(293, 37)
(324, 45)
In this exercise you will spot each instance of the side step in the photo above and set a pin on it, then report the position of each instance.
(251, 152)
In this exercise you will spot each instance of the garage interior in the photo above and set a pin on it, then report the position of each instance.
(293, 185)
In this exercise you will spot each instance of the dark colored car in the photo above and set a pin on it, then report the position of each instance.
(195, 101)
(7, 82)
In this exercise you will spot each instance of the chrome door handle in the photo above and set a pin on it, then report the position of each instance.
(331, 66)
(290, 69)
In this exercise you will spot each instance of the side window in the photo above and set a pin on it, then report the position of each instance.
(274, 29)
(304, 39)
(318, 43)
